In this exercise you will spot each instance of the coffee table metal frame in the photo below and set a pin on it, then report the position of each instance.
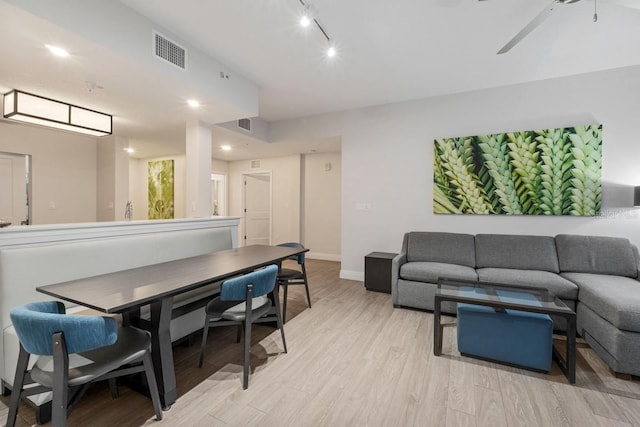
(452, 290)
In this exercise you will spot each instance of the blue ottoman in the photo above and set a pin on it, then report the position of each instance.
(513, 337)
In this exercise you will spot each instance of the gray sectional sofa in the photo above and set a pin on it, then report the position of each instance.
(596, 276)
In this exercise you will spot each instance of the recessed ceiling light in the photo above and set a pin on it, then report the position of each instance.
(305, 21)
(57, 51)
(226, 148)
(130, 150)
(331, 52)
(193, 103)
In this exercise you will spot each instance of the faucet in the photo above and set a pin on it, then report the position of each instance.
(128, 211)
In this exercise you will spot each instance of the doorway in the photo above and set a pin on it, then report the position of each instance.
(218, 194)
(256, 218)
(15, 188)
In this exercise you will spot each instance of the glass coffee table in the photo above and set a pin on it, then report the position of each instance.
(520, 298)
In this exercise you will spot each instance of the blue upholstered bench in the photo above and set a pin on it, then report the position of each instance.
(513, 337)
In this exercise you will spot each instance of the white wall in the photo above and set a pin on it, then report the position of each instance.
(321, 215)
(139, 190)
(112, 180)
(105, 181)
(285, 181)
(219, 166)
(221, 193)
(387, 157)
(63, 171)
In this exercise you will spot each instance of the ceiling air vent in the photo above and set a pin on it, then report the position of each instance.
(169, 51)
(245, 124)
(255, 164)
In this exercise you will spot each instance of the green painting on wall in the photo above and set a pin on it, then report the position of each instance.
(539, 172)
(160, 189)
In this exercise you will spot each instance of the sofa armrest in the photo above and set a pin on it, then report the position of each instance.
(397, 262)
(636, 254)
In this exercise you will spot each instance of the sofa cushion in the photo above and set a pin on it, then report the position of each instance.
(450, 248)
(559, 286)
(615, 298)
(432, 271)
(519, 252)
(596, 254)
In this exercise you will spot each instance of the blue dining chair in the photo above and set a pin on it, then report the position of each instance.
(292, 276)
(243, 301)
(105, 352)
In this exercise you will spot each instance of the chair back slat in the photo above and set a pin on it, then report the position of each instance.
(299, 257)
(263, 282)
(35, 323)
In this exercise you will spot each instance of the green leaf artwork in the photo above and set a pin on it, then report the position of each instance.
(160, 189)
(539, 172)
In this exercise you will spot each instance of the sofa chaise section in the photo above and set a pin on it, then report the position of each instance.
(608, 313)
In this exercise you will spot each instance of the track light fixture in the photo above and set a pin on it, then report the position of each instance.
(307, 19)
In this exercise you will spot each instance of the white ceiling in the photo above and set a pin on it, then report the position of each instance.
(388, 51)
(396, 50)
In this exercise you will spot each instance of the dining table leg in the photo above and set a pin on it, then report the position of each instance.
(162, 352)
(437, 327)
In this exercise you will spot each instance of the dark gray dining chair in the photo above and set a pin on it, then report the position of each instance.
(293, 276)
(105, 352)
(243, 301)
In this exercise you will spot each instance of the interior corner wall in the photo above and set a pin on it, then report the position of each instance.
(387, 158)
(219, 166)
(322, 205)
(112, 181)
(139, 189)
(63, 171)
(121, 167)
(105, 180)
(285, 194)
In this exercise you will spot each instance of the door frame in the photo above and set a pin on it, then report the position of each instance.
(225, 187)
(28, 185)
(243, 203)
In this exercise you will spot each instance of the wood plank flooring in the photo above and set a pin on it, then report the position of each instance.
(354, 360)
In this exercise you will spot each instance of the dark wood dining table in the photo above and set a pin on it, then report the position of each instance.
(156, 285)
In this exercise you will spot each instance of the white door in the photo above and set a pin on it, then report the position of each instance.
(13, 188)
(218, 194)
(257, 209)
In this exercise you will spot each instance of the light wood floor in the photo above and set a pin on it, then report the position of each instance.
(355, 360)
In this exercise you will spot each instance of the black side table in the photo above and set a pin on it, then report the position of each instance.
(377, 271)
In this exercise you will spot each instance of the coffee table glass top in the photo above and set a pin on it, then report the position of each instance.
(502, 296)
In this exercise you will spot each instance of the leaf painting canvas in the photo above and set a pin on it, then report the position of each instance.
(538, 172)
(160, 189)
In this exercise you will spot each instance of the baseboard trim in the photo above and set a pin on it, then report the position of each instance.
(352, 275)
(323, 257)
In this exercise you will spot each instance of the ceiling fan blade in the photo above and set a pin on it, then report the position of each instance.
(535, 22)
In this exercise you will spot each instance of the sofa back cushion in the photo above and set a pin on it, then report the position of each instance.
(516, 252)
(450, 248)
(596, 254)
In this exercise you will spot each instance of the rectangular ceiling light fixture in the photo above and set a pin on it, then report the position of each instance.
(29, 108)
